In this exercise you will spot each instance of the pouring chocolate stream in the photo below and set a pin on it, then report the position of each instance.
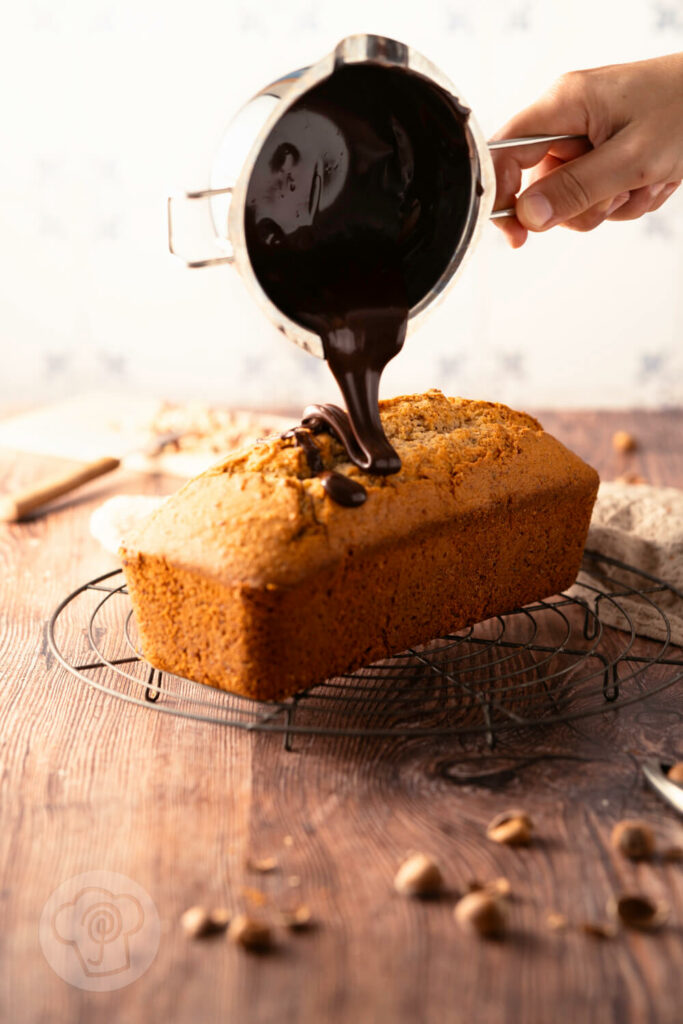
(344, 227)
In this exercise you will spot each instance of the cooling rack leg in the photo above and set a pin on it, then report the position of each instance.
(289, 720)
(591, 620)
(490, 735)
(610, 682)
(152, 695)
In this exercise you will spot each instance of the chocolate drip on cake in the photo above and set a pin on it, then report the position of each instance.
(341, 489)
(333, 419)
(310, 449)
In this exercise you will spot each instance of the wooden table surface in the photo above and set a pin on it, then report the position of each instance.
(92, 784)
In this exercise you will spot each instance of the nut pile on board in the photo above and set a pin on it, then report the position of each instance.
(252, 932)
(482, 911)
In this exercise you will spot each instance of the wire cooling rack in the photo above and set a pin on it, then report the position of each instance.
(555, 660)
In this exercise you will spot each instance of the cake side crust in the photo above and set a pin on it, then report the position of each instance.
(269, 642)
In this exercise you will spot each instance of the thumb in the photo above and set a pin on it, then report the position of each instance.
(576, 186)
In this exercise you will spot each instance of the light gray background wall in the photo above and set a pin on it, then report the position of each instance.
(108, 105)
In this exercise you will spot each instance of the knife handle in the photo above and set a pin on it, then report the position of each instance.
(14, 507)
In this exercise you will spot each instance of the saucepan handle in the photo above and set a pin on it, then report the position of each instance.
(204, 193)
(527, 140)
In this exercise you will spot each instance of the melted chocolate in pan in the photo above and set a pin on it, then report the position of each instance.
(356, 203)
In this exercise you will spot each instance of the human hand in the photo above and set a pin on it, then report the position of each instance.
(630, 162)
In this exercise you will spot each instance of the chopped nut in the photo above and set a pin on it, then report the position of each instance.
(418, 876)
(624, 442)
(633, 838)
(500, 886)
(630, 478)
(675, 773)
(297, 920)
(263, 865)
(288, 841)
(481, 913)
(672, 854)
(512, 827)
(639, 912)
(196, 922)
(255, 896)
(556, 922)
(294, 881)
(598, 929)
(249, 933)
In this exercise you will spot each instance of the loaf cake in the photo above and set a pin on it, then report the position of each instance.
(253, 580)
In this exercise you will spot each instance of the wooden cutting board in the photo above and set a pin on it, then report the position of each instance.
(123, 426)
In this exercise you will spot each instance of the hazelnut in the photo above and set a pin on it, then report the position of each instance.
(249, 933)
(196, 922)
(418, 876)
(481, 913)
(556, 922)
(512, 827)
(634, 839)
(639, 912)
(623, 442)
(675, 773)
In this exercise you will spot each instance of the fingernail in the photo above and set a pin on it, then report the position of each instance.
(656, 189)
(618, 201)
(534, 210)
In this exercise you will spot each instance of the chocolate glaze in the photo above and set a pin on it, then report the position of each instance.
(310, 449)
(341, 489)
(355, 205)
(330, 417)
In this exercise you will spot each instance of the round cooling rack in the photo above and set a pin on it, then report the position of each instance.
(569, 657)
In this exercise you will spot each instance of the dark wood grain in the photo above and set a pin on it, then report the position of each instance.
(91, 783)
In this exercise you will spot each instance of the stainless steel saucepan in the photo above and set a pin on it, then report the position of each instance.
(247, 132)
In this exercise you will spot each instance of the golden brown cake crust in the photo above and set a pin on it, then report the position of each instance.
(251, 579)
